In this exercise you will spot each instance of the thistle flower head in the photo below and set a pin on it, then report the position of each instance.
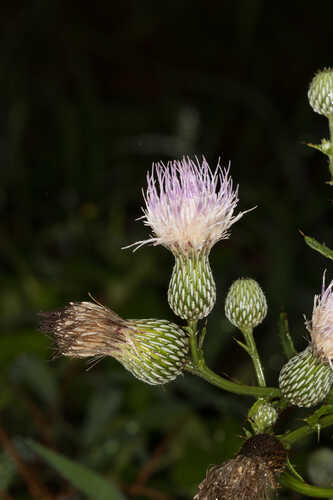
(154, 351)
(189, 207)
(321, 324)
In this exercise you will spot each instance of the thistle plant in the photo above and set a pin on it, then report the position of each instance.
(190, 207)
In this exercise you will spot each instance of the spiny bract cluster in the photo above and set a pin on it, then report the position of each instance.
(320, 92)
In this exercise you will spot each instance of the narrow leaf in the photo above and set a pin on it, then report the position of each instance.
(285, 337)
(243, 345)
(91, 484)
(319, 247)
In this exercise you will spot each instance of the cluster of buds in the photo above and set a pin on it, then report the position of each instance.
(251, 475)
(189, 208)
(307, 377)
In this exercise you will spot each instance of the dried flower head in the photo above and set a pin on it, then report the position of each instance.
(189, 207)
(252, 475)
(321, 324)
(154, 351)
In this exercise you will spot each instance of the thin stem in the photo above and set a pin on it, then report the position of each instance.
(291, 437)
(253, 352)
(246, 390)
(289, 481)
(193, 329)
(199, 368)
(330, 154)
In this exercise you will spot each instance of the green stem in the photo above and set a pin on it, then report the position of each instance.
(198, 367)
(193, 329)
(330, 154)
(253, 352)
(246, 390)
(289, 481)
(291, 437)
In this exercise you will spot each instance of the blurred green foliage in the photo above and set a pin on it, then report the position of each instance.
(91, 95)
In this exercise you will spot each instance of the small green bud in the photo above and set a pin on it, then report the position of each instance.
(305, 380)
(320, 92)
(245, 305)
(192, 291)
(262, 416)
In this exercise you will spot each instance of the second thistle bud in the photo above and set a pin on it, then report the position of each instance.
(305, 380)
(320, 93)
(245, 305)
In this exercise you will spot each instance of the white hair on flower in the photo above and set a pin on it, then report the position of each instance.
(189, 207)
(321, 324)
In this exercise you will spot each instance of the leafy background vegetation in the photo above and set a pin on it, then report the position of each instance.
(91, 95)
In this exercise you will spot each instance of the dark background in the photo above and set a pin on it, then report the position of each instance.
(91, 94)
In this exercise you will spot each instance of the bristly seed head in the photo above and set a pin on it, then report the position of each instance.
(154, 351)
(84, 329)
(189, 207)
(321, 324)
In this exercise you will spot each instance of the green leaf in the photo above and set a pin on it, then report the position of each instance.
(91, 484)
(243, 346)
(319, 247)
(285, 337)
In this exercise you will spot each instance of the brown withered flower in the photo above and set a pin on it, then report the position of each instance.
(251, 475)
(154, 351)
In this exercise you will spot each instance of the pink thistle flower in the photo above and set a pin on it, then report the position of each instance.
(321, 324)
(189, 207)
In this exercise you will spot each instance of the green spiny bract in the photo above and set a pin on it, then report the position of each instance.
(305, 379)
(245, 305)
(320, 92)
(192, 291)
(157, 352)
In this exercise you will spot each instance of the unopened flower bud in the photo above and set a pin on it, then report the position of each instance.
(154, 351)
(245, 305)
(320, 92)
(305, 380)
(252, 475)
(262, 416)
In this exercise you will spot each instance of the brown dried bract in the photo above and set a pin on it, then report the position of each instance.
(84, 329)
(252, 475)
